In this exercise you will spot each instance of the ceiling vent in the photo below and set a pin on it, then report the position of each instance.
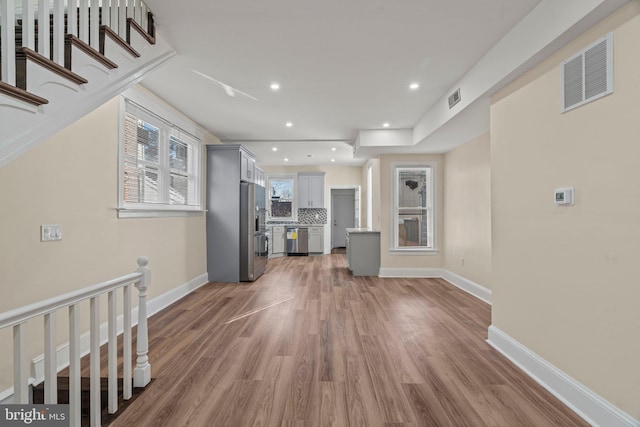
(588, 75)
(454, 98)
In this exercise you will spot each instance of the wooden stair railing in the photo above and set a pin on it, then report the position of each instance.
(141, 376)
(61, 24)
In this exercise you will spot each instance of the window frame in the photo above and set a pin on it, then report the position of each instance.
(294, 204)
(171, 126)
(431, 208)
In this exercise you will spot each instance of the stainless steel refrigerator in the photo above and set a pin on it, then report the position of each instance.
(236, 239)
(254, 243)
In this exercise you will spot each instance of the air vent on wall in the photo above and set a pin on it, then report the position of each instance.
(588, 75)
(454, 98)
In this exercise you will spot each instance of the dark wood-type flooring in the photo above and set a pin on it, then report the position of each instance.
(308, 344)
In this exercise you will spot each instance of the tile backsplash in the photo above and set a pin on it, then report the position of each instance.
(308, 216)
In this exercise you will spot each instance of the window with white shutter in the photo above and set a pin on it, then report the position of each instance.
(159, 165)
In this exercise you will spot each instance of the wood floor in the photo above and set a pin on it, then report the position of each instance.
(310, 345)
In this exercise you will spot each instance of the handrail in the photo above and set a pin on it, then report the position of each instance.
(17, 319)
(22, 314)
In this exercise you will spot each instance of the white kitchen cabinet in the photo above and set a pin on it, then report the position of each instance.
(277, 241)
(247, 166)
(259, 176)
(316, 240)
(311, 190)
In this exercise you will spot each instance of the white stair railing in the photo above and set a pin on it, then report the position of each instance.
(18, 318)
(80, 22)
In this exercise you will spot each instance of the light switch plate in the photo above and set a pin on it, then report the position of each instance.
(50, 232)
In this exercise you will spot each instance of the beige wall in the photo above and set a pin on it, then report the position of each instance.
(72, 180)
(565, 279)
(467, 211)
(389, 259)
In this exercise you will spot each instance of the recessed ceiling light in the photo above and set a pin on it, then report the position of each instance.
(385, 125)
(275, 86)
(288, 124)
(274, 149)
(286, 160)
(333, 160)
(414, 86)
(333, 148)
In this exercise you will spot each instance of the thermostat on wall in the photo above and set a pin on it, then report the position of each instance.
(564, 196)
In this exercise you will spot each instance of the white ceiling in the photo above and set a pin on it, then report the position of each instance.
(343, 66)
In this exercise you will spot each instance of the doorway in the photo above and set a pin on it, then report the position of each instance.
(343, 215)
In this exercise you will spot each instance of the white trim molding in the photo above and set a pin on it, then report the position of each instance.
(418, 273)
(154, 306)
(466, 285)
(584, 402)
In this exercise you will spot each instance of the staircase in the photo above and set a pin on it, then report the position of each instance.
(59, 61)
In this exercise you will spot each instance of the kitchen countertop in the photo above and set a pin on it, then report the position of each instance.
(294, 224)
(362, 230)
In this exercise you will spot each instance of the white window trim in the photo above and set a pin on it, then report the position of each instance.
(294, 206)
(144, 210)
(394, 249)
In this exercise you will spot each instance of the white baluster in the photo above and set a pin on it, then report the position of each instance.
(74, 366)
(113, 15)
(7, 22)
(94, 25)
(58, 31)
(28, 25)
(43, 28)
(20, 369)
(113, 354)
(94, 376)
(72, 17)
(122, 19)
(143, 16)
(83, 31)
(50, 360)
(142, 373)
(127, 391)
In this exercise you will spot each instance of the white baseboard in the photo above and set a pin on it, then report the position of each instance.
(466, 285)
(422, 273)
(154, 306)
(584, 402)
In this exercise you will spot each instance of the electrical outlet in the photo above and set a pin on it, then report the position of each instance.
(50, 232)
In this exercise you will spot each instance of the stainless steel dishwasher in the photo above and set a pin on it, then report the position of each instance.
(297, 241)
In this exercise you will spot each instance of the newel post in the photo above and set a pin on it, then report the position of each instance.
(142, 372)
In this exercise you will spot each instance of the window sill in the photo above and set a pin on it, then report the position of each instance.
(157, 213)
(428, 252)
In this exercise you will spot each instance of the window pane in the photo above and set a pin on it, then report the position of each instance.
(179, 189)
(412, 228)
(412, 188)
(281, 189)
(178, 154)
(281, 209)
(148, 139)
(140, 185)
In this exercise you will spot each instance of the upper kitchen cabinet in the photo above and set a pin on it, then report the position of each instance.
(259, 177)
(311, 190)
(247, 165)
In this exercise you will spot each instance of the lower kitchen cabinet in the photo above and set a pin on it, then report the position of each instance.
(278, 236)
(316, 240)
(363, 251)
